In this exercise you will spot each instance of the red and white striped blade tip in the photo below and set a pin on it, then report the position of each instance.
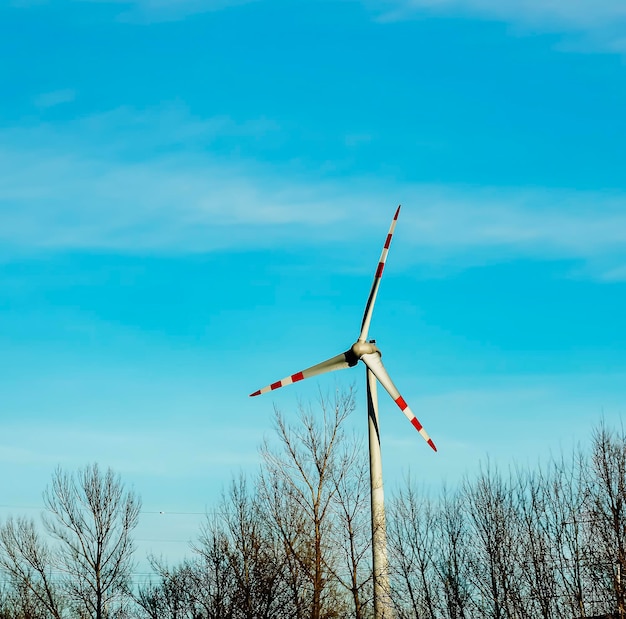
(294, 378)
(338, 362)
(404, 407)
(418, 426)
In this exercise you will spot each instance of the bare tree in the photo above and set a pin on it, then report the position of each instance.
(495, 553)
(6, 603)
(92, 516)
(28, 561)
(170, 597)
(411, 536)
(538, 574)
(215, 587)
(607, 518)
(352, 534)
(19, 602)
(567, 516)
(289, 525)
(297, 488)
(452, 556)
(255, 555)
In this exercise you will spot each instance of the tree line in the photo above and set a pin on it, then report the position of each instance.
(294, 541)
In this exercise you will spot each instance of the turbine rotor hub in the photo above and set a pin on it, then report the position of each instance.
(363, 348)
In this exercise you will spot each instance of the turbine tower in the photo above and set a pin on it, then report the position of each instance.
(366, 351)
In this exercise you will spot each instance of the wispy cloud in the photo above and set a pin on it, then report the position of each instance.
(617, 274)
(170, 10)
(601, 22)
(78, 186)
(522, 221)
(128, 132)
(173, 203)
(575, 13)
(65, 444)
(508, 419)
(150, 10)
(54, 98)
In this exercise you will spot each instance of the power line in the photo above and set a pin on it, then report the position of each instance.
(163, 512)
(156, 540)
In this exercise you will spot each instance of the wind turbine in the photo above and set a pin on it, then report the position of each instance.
(366, 351)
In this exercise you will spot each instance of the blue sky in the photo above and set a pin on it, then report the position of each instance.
(193, 199)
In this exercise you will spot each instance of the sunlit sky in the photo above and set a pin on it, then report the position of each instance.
(194, 195)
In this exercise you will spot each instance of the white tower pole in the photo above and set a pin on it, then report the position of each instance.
(382, 600)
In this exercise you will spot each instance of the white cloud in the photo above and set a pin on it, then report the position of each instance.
(56, 97)
(602, 22)
(574, 13)
(167, 451)
(617, 274)
(125, 131)
(80, 187)
(170, 10)
(540, 221)
(173, 203)
(150, 10)
(508, 419)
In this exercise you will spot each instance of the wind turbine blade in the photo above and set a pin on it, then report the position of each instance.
(369, 306)
(338, 362)
(375, 364)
